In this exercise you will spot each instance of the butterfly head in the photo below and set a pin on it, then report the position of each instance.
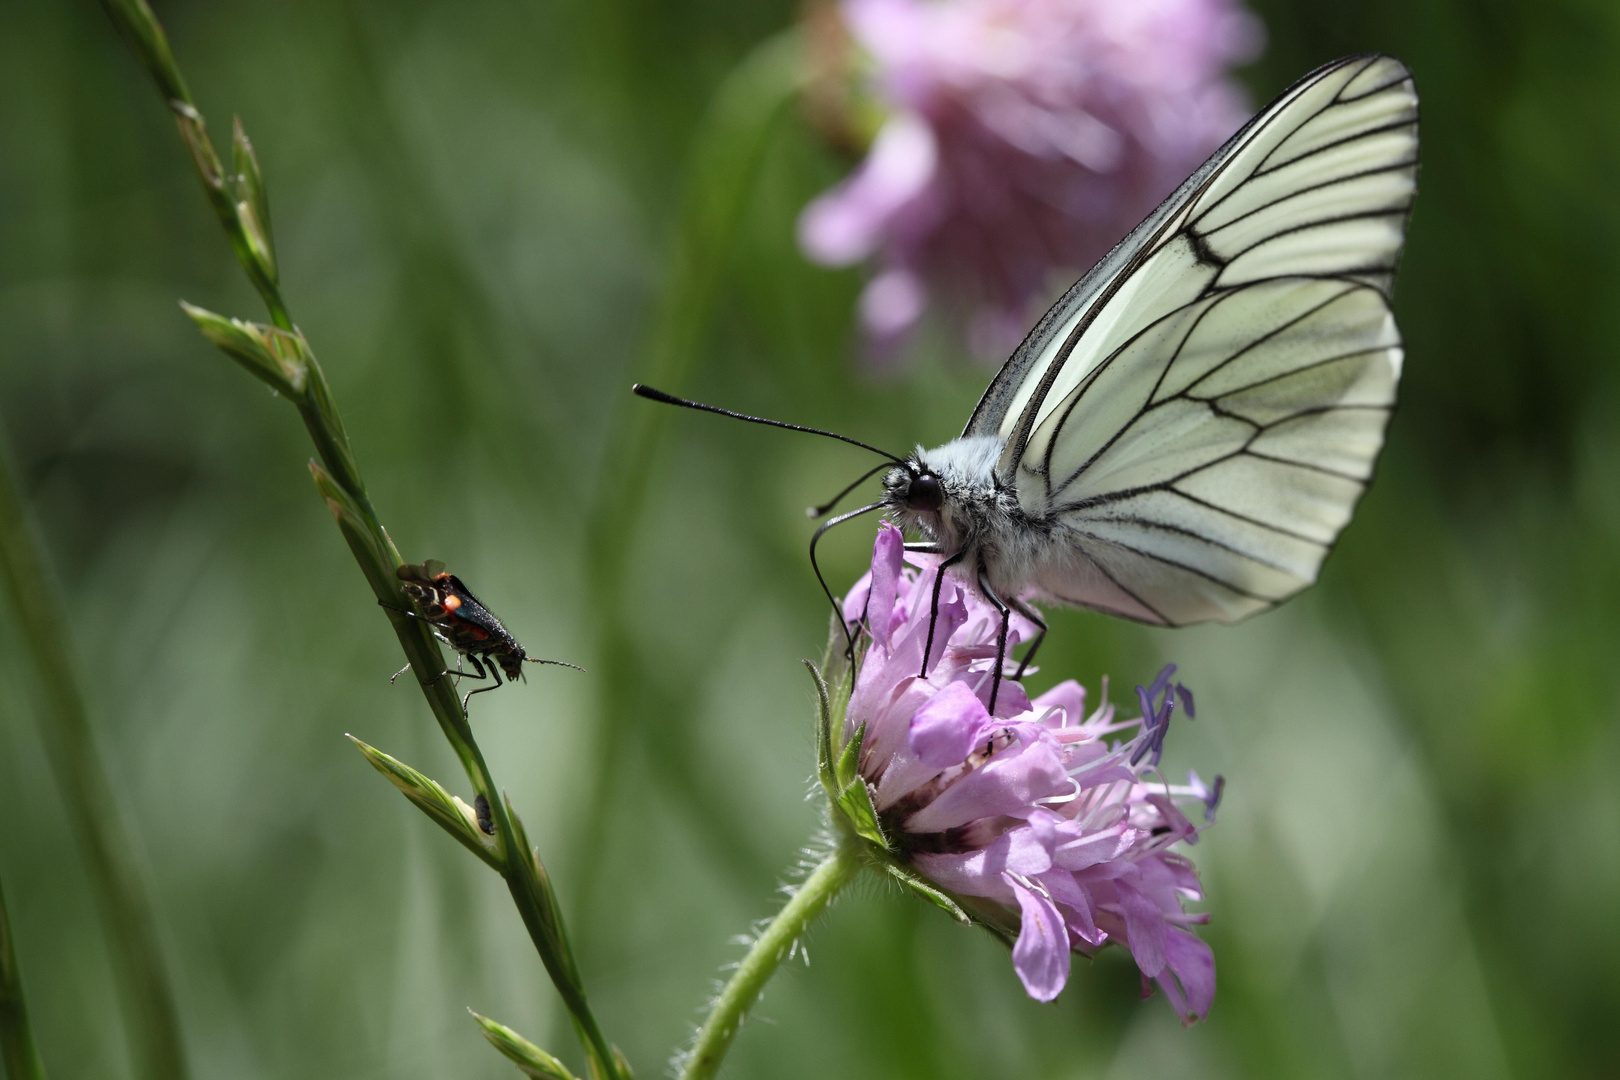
(917, 488)
(914, 496)
(935, 491)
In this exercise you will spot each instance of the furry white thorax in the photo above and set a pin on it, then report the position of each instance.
(979, 516)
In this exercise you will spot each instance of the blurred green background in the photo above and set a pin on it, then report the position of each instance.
(1418, 863)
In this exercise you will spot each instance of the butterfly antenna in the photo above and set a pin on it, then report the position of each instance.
(642, 390)
(839, 520)
(814, 512)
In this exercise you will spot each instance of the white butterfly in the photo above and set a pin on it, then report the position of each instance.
(1184, 434)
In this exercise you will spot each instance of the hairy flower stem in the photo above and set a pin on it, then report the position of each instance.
(111, 854)
(285, 361)
(17, 1050)
(770, 948)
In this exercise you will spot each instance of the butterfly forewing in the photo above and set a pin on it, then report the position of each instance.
(1203, 410)
(1168, 280)
(1017, 381)
(1123, 388)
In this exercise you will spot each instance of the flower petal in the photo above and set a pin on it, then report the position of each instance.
(1011, 700)
(1193, 964)
(888, 551)
(845, 225)
(891, 304)
(909, 632)
(1029, 849)
(944, 731)
(1023, 851)
(1172, 819)
(971, 873)
(1144, 929)
(1009, 782)
(854, 603)
(1041, 955)
(1075, 904)
(888, 728)
(1078, 849)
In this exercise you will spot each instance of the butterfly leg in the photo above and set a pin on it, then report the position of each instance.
(933, 608)
(1040, 635)
(494, 673)
(1001, 638)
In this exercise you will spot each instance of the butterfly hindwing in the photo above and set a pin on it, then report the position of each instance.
(1202, 411)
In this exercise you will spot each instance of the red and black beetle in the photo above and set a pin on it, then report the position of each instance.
(458, 619)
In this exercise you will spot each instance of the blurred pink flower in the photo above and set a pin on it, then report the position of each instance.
(1036, 809)
(1023, 138)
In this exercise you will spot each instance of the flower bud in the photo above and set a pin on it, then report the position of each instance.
(528, 1057)
(271, 354)
(252, 203)
(454, 816)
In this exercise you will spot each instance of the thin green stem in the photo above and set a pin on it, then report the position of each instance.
(239, 202)
(524, 874)
(111, 854)
(17, 1050)
(770, 948)
(536, 903)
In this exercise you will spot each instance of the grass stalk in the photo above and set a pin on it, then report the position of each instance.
(112, 860)
(279, 355)
(17, 1051)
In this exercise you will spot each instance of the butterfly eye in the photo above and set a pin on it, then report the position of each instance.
(925, 493)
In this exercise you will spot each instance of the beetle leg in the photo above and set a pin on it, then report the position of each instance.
(494, 673)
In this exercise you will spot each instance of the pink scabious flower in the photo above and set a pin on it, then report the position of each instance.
(1050, 826)
(1023, 138)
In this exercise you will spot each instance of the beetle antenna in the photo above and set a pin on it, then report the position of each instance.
(559, 663)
